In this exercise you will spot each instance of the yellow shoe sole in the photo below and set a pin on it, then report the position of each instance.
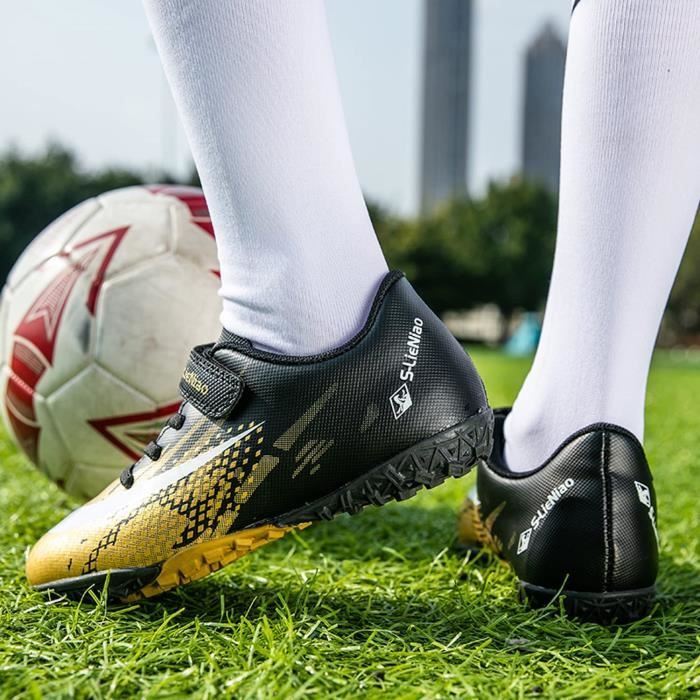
(203, 559)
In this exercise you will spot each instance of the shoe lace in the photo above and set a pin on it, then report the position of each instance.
(153, 450)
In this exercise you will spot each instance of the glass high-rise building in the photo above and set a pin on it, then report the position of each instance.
(446, 86)
(544, 82)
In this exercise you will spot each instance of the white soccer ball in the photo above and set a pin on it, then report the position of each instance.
(96, 322)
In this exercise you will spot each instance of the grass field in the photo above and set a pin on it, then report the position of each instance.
(370, 606)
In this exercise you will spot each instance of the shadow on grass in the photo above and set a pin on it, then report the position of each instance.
(479, 607)
(362, 617)
(413, 534)
(425, 594)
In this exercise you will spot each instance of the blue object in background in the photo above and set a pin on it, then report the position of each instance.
(526, 336)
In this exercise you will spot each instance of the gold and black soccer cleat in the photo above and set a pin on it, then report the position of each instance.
(580, 528)
(265, 443)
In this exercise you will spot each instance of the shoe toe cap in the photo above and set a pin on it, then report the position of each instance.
(56, 556)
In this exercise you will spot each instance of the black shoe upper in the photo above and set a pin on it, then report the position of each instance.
(263, 439)
(331, 417)
(584, 520)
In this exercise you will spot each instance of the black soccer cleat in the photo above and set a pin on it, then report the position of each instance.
(581, 527)
(265, 443)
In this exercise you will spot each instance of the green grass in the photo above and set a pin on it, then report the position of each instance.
(370, 606)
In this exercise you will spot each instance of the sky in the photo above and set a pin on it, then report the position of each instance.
(90, 79)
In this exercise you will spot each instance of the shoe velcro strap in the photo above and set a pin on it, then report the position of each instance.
(210, 387)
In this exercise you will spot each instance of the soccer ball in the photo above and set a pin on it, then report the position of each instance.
(96, 322)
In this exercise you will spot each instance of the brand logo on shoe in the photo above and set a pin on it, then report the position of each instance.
(545, 508)
(524, 540)
(410, 358)
(400, 401)
(552, 499)
(195, 382)
(644, 495)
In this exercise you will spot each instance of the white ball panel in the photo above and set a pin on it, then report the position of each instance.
(149, 321)
(94, 395)
(51, 240)
(125, 195)
(193, 244)
(193, 240)
(54, 459)
(87, 479)
(148, 225)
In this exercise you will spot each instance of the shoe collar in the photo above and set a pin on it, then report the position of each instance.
(231, 341)
(497, 462)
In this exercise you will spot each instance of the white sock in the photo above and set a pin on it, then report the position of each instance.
(630, 186)
(255, 84)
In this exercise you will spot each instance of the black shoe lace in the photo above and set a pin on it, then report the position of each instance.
(152, 450)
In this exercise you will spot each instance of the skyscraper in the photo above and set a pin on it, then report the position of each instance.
(544, 81)
(446, 83)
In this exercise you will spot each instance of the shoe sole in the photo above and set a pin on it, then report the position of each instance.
(451, 453)
(618, 607)
(621, 607)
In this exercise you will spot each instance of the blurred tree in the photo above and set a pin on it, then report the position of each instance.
(193, 178)
(448, 261)
(397, 238)
(497, 249)
(517, 222)
(682, 320)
